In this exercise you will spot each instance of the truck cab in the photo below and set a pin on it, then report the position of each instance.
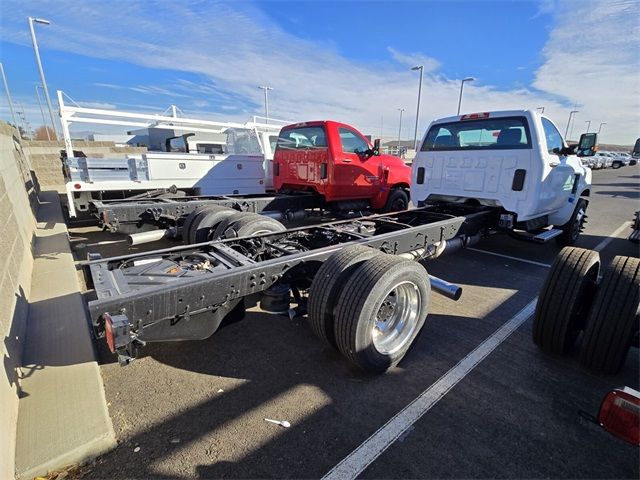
(516, 161)
(336, 161)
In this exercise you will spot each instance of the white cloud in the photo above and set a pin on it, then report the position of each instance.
(415, 59)
(592, 58)
(589, 58)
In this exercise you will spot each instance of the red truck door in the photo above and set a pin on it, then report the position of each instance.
(355, 175)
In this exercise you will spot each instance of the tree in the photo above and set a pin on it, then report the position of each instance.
(41, 133)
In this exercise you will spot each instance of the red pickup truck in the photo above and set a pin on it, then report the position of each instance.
(336, 161)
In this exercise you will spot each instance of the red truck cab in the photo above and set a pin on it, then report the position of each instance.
(336, 161)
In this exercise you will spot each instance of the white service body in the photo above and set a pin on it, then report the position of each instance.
(484, 171)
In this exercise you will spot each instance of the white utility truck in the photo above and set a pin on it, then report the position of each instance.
(516, 161)
(238, 161)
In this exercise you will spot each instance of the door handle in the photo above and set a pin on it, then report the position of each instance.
(346, 160)
(554, 164)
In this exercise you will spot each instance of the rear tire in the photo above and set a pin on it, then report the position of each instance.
(614, 317)
(257, 225)
(572, 229)
(380, 311)
(397, 201)
(225, 223)
(327, 285)
(203, 227)
(565, 299)
(186, 225)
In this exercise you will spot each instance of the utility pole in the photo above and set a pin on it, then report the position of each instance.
(588, 122)
(266, 102)
(415, 133)
(400, 128)
(600, 128)
(37, 52)
(468, 79)
(6, 89)
(44, 122)
(566, 132)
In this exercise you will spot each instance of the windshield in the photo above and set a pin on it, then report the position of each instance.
(302, 138)
(504, 133)
(242, 142)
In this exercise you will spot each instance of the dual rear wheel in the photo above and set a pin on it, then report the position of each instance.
(214, 222)
(369, 305)
(572, 301)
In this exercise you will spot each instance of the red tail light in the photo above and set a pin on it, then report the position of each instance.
(620, 414)
(109, 333)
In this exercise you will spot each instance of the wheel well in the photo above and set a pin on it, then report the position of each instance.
(400, 185)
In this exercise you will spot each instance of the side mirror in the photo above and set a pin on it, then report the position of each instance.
(588, 145)
(376, 146)
(620, 414)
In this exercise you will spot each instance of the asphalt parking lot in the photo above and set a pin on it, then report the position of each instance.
(197, 409)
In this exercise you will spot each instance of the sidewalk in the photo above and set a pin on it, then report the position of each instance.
(62, 415)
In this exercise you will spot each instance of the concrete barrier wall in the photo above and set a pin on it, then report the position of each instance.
(47, 163)
(18, 204)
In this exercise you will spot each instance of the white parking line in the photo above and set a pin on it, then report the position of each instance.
(611, 237)
(524, 260)
(376, 444)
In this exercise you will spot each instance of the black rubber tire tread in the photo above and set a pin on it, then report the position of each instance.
(186, 225)
(358, 298)
(224, 224)
(614, 317)
(327, 285)
(564, 300)
(251, 226)
(395, 195)
(566, 239)
(203, 227)
(196, 221)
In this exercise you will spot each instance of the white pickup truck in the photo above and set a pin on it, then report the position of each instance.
(514, 160)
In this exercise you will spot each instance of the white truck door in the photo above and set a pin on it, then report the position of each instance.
(268, 140)
(557, 173)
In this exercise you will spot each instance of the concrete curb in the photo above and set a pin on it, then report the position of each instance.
(62, 414)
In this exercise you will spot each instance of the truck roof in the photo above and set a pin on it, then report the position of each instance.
(316, 123)
(490, 114)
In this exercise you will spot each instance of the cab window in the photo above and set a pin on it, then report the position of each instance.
(351, 141)
(554, 139)
(302, 138)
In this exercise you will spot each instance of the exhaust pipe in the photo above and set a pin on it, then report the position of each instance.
(150, 236)
(449, 290)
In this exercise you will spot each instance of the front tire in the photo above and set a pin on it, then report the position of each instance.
(572, 229)
(397, 201)
(380, 311)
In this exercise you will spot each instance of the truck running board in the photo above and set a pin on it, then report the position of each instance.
(547, 235)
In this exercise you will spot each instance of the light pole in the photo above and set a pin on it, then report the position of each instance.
(6, 89)
(415, 133)
(44, 122)
(467, 79)
(600, 127)
(541, 109)
(588, 122)
(37, 52)
(566, 132)
(400, 128)
(266, 102)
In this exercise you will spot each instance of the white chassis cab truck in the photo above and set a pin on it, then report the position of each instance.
(514, 160)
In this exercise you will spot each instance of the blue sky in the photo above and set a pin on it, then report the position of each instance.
(344, 60)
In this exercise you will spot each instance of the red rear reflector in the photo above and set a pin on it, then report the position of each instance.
(620, 414)
(108, 332)
(474, 116)
(77, 186)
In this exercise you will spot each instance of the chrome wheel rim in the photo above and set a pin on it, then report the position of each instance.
(396, 318)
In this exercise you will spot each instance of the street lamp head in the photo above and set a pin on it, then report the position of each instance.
(41, 20)
(419, 67)
(265, 87)
(468, 79)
